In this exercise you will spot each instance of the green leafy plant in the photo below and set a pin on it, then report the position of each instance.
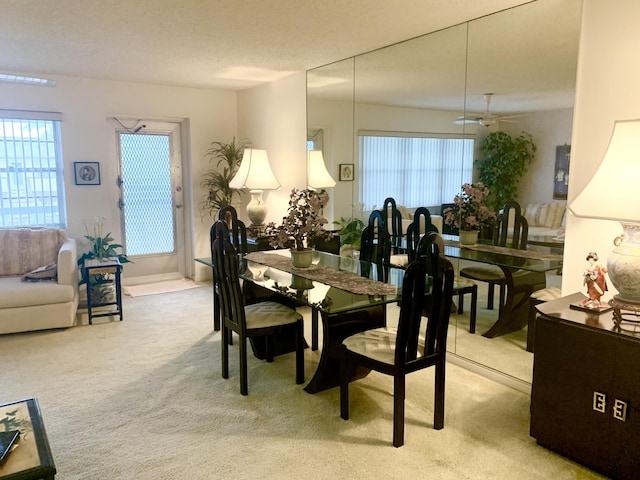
(505, 160)
(102, 247)
(217, 193)
(350, 231)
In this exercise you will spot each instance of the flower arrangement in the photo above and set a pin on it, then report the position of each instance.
(304, 220)
(469, 210)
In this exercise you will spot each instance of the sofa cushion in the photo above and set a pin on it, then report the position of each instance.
(547, 215)
(25, 249)
(16, 293)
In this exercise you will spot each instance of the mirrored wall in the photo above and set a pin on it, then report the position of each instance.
(525, 56)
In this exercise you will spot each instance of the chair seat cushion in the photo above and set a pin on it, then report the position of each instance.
(379, 344)
(547, 294)
(269, 314)
(485, 273)
(461, 282)
(399, 260)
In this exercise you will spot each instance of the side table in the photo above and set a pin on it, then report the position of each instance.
(31, 459)
(97, 273)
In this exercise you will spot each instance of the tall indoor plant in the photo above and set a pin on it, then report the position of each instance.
(217, 193)
(505, 160)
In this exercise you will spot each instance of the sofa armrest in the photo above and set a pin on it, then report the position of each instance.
(68, 263)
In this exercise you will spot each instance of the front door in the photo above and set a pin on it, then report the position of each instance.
(151, 204)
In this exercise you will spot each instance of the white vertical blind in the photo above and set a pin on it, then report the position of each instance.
(416, 170)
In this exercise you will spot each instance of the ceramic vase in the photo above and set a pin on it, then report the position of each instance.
(301, 258)
(468, 237)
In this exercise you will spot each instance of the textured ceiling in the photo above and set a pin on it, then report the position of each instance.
(231, 44)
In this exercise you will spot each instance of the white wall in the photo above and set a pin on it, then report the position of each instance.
(607, 90)
(273, 117)
(548, 129)
(87, 135)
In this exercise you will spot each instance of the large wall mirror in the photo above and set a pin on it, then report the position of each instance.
(525, 56)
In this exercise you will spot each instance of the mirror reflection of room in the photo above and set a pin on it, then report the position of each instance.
(413, 117)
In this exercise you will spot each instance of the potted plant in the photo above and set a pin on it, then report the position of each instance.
(102, 248)
(218, 194)
(302, 225)
(350, 233)
(505, 160)
(470, 211)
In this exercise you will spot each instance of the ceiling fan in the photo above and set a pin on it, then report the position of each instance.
(487, 118)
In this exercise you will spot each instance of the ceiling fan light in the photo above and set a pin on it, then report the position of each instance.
(488, 121)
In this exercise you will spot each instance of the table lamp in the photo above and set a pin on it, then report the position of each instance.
(317, 175)
(255, 174)
(612, 194)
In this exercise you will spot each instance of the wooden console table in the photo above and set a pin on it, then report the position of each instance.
(585, 397)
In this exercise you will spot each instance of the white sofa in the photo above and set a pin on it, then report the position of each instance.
(26, 305)
(546, 218)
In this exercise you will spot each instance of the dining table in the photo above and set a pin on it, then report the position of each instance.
(348, 295)
(525, 273)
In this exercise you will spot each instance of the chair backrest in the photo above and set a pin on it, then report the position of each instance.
(225, 271)
(237, 228)
(511, 227)
(392, 219)
(375, 241)
(440, 273)
(415, 230)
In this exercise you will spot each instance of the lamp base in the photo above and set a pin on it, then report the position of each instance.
(625, 313)
(256, 210)
(623, 264)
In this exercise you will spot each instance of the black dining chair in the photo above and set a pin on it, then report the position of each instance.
(511, 230)
(392, 219)
(411, 346)
(238, 238)
(263, 319)
(375, 246)
(461, 286)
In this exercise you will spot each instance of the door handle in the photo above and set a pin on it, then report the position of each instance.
(178, 205)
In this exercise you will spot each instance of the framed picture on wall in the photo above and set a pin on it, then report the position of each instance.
(561, 172)
(87, 173)
(346, 172)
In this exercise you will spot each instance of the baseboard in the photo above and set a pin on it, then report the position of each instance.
(495, 375)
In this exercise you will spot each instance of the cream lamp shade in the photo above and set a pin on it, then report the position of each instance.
(611, 194)
(317, 175)
(256, 175)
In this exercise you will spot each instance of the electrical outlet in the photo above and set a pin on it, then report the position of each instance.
(620, 410)
(599, 402)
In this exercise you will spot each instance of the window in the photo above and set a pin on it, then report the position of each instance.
(416, 170)
(31, 179)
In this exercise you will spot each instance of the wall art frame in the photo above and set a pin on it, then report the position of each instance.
(346, 172)
(561, 172)
(87, 173)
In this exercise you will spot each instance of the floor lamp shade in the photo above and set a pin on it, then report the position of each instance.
(611, 194)
(317, 175)
(256, 175)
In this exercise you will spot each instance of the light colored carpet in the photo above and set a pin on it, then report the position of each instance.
(144, 399)
(159, 287)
